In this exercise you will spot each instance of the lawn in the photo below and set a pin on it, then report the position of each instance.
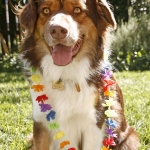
(16, 117)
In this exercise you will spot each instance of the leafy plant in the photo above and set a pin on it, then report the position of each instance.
(131, 45)
(9, 63)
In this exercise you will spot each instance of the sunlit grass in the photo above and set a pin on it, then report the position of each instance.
(16, 117)
(136, 91)
(15, 114)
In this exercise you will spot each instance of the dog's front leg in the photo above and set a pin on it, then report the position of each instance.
(92, 138)
(41, 138)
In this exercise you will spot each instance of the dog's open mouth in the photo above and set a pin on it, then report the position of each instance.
(62, 55)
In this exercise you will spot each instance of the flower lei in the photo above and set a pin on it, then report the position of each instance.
(109, 95)
(51, 114)
(47, 109)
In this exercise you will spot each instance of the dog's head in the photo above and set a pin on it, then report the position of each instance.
(68, 28)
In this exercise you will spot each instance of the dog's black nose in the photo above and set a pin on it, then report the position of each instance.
(58, 32)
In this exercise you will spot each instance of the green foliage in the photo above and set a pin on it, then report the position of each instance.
(9, 63)
(120, 9)
(131, 49)
(1, 7)
(140, 7)
(15, 106)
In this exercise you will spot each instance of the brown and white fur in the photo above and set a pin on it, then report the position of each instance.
(83, 27)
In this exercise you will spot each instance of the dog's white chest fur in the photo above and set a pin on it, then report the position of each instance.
(75, 111)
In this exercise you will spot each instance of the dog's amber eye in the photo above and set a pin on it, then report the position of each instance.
(46, 11)
(77, 10)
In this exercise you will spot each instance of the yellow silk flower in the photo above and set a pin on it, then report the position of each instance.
(59, 135)
(105, 148)
(35, 78)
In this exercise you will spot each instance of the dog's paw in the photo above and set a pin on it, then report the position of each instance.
(30, 141)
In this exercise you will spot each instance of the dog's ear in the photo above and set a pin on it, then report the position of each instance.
(104, 7)
(28, 16)
(101, 14)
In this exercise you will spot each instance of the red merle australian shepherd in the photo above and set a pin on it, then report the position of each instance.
(77, 104)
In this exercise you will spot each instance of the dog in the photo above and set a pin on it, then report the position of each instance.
(77, 103)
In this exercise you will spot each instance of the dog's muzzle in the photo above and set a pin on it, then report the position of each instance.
(62, 35)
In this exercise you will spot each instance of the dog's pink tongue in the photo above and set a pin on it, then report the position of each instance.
(62, 55)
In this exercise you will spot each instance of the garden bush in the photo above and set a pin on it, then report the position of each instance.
(10, 63)
(131, 50)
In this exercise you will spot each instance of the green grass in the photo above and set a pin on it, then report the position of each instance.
(16, 116)
(15, 112)
(136, 91)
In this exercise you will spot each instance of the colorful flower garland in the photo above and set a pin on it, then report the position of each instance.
(47, 109)
(109, 95)
(51, 114)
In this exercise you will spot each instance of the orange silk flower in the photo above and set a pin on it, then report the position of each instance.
(37, 88)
